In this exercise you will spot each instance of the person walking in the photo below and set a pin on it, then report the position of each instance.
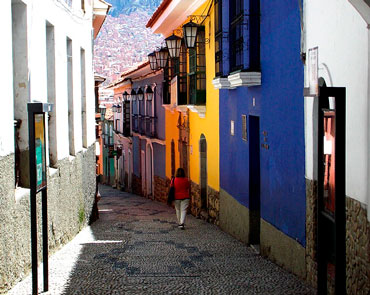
(182, 196)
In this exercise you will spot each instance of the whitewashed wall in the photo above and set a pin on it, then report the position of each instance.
(6, 78)
(342, 39)
(78, 27)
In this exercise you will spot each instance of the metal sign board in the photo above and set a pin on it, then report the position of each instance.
(40, 151)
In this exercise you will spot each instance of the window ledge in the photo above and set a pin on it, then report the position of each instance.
(245, 79)
(222, 83)
(201, 110)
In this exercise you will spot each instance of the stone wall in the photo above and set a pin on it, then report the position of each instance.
(357, 244)
(357, 248)
(71, 193)
(161, 187)
(211, 214)
(311, 232)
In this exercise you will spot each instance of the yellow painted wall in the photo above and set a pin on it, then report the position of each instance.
(208, 126)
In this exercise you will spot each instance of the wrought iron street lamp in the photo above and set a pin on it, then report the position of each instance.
(152, 61)
(140, 94)
(149, 93)
(161, 57)
(190, 34)
(119, 108)
(173, 44)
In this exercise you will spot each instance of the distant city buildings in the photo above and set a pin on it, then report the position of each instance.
(122, 43)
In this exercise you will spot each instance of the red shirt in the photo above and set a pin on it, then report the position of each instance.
(182, 187)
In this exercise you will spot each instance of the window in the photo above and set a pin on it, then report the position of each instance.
(236, 34)
(126, 118)
(180, 69)
(83, 98)
(244, 36)
(168, 75)
(197, 71)
(70, 97)
(21, 92)
(244, 127)
(50, 61)
(218, 37)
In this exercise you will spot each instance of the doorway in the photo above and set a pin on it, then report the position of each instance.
(254, 181)
(331, 219)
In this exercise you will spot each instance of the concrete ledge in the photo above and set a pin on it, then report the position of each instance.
(234, 217)
(282, 249)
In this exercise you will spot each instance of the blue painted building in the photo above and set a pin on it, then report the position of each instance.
(262, 148)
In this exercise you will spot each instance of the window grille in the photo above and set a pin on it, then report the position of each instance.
(218, 37)
(180, 69)
(197, 71)
(244, 35)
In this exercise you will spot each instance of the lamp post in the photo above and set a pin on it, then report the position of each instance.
(119, 108)
(173, 44)
(161, 57)
(190, 34)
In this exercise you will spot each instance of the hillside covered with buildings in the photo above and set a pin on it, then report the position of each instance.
(124, 40)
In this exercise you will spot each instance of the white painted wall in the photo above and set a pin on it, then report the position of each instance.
(342, 38)
(67, 22)
(6, 78)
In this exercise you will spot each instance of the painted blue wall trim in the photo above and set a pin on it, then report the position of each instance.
(279, 104)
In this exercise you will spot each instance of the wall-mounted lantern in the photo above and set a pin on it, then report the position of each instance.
(161, 57)
(140, 94)
(149, 93)
(190, 34)
(152, 61)
(102, 110)
(125, 96)
(173, 44)
(133, 94)
(119, 108)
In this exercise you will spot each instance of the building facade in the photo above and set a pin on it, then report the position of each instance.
(192, 109)
(262, 148)
(336, 42)
(47, 57)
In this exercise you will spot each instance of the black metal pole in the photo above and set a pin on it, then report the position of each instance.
(45, 246)
(321, 258)
(32, 169)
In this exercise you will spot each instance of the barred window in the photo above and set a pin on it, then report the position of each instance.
(218, 37)
(197, 71)
(236, 34)
(180, 69)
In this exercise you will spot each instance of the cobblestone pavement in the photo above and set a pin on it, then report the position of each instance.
(136, 248)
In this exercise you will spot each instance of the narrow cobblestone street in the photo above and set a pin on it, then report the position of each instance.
(136, 248)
